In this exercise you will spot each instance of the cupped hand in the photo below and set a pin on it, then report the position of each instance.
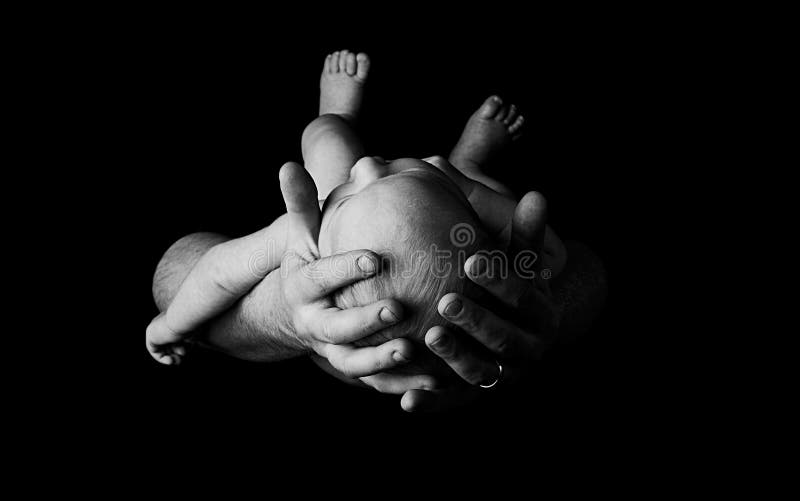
(520, 283)
(307, 281)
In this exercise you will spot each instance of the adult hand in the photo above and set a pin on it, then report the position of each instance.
(518, 285)
(307, 282)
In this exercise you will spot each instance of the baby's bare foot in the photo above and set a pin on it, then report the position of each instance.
(487, 132)
(342, 83)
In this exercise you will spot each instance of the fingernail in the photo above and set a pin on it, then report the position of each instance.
(398, 357)
(478, 267)
(441, 342)
(366, 264)
(453, 308)
(388, 316)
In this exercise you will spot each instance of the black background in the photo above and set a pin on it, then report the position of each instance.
(224, 109)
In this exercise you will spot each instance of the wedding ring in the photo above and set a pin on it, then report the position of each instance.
(499, 375)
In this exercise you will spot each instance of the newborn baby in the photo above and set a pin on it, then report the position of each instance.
(419, 221)
(423, 217)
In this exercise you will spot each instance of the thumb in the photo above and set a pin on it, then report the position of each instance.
(300, 196)
(529, 224)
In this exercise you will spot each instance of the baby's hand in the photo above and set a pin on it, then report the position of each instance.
(164, 344)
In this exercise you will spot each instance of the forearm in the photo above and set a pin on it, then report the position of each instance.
(224, 274)
(252, 328)
(255, 328)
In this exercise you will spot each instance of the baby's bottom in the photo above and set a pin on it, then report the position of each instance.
(330, 149)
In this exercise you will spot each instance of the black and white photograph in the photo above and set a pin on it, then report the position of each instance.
(400, 230)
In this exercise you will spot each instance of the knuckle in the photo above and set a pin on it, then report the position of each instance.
(518, 295)
(476, 377)
(380, 363)
(402, 347)
(449, 352)
(291, 291)
(382, 387)
(471, 318)
(429, 384)
(503, 345)
(305, 325)
(366, 323)
(344, 366)
(317, 281)
(444, 346)
(326, 332)
(299, 322)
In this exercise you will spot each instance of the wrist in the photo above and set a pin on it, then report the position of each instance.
(288, 329)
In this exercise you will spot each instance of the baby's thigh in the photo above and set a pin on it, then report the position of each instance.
(330, 148)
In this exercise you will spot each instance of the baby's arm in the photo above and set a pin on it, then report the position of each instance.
(224, 274)
(496, 212)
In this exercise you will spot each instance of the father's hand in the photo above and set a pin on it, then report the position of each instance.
(307, 282)
(520, 283)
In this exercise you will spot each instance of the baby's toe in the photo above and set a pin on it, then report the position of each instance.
(501, 113)
(363, 64)
(516, 128)
(335, 62)
(511, 116)
(343, 61)
(350, 65)
(490, 107)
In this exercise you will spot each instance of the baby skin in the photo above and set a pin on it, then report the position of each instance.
(335, 158)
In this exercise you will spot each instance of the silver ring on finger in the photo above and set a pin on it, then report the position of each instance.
(497, 380)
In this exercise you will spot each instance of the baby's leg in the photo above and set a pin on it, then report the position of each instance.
(330, 145)
(490, 129)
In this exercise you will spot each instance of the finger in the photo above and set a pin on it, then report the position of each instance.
(397, 384)
(529, 224)
(521, 288)
(337, 326)
(302, 208)
(471, 367)
(503, 339)
(510, 282)
(526, 247)
(428, 401)
(328, 274)
(360, 362)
